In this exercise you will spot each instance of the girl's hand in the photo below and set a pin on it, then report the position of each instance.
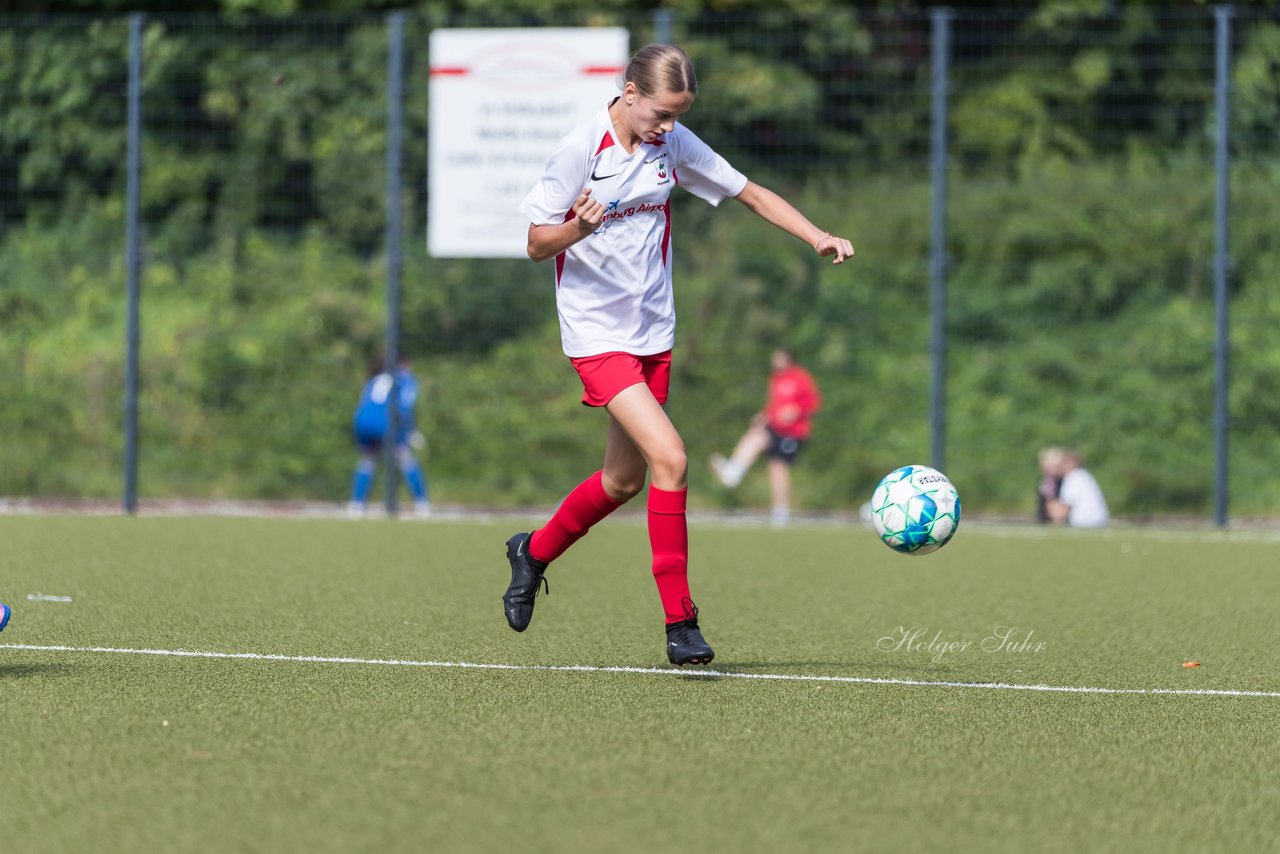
(587, 211)
(837, 246)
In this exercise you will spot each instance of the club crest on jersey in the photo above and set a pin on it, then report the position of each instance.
(660, 166)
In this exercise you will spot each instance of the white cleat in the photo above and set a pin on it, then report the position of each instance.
(726, 471)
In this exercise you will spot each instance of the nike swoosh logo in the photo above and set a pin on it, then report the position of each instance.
(595, 177)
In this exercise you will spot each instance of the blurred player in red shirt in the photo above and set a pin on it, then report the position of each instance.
(780, 429)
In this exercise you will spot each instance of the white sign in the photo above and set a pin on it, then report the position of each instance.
(500, 101)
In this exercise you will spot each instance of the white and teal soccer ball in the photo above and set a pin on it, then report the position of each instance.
(915, 510)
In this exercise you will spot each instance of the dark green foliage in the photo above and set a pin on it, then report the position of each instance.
(1080, 305)
(251, 362)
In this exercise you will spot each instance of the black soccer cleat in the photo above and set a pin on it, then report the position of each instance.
(685, 643)
(526, 577)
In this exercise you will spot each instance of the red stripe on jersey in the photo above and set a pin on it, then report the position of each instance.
(603, 69)
(666, 210)
(446, 71)
(666, 231)
(605, 142)
(560, 258)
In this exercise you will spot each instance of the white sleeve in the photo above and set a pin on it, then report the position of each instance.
(704, 173)
(558, 188)
(1081, 493)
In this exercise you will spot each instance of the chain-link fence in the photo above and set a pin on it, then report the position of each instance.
(1077, 260)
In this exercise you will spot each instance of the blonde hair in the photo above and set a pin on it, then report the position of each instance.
(1053, 452)
(1058, 458)
(661, 68)
(1052, 458)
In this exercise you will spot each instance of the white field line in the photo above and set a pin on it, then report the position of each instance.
(653, 671)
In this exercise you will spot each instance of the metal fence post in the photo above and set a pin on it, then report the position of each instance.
(132, 262)
(395, 94)
(662, 26)
(1221, 261)
(938, 238)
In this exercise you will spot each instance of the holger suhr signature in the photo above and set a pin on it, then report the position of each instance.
(919, 639)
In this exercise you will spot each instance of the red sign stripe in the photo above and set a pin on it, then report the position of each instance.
(448, 71)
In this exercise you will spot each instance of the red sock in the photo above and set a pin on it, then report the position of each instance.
(582, 508)
(669, 537)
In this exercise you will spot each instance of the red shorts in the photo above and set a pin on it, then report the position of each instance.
(605, 375)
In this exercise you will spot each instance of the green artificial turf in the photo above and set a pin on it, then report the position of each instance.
(115, 752)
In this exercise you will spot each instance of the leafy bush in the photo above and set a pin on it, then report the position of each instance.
(1080, 312)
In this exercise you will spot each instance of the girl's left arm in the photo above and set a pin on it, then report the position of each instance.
(774, 209)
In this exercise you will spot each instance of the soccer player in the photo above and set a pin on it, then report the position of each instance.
(601, 210)
(5, 613)
(370, 425)
(780, 429)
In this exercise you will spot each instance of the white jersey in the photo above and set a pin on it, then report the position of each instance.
(1081, 493)
(613, 287)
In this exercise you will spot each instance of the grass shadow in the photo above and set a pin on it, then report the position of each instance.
(22, 671)
(781, 665)
(846, 668)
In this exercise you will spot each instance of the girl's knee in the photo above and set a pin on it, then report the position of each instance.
(671, 465)
(623, 486)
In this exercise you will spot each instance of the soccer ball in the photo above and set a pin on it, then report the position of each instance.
(915, 510)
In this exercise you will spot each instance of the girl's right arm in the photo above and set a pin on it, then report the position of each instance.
(548, 241)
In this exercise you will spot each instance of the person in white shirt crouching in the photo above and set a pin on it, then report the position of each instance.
(1079, 502)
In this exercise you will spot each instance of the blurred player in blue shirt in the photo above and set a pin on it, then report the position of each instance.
(371, 423)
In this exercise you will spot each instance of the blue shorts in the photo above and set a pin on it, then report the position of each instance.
(370, 441)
